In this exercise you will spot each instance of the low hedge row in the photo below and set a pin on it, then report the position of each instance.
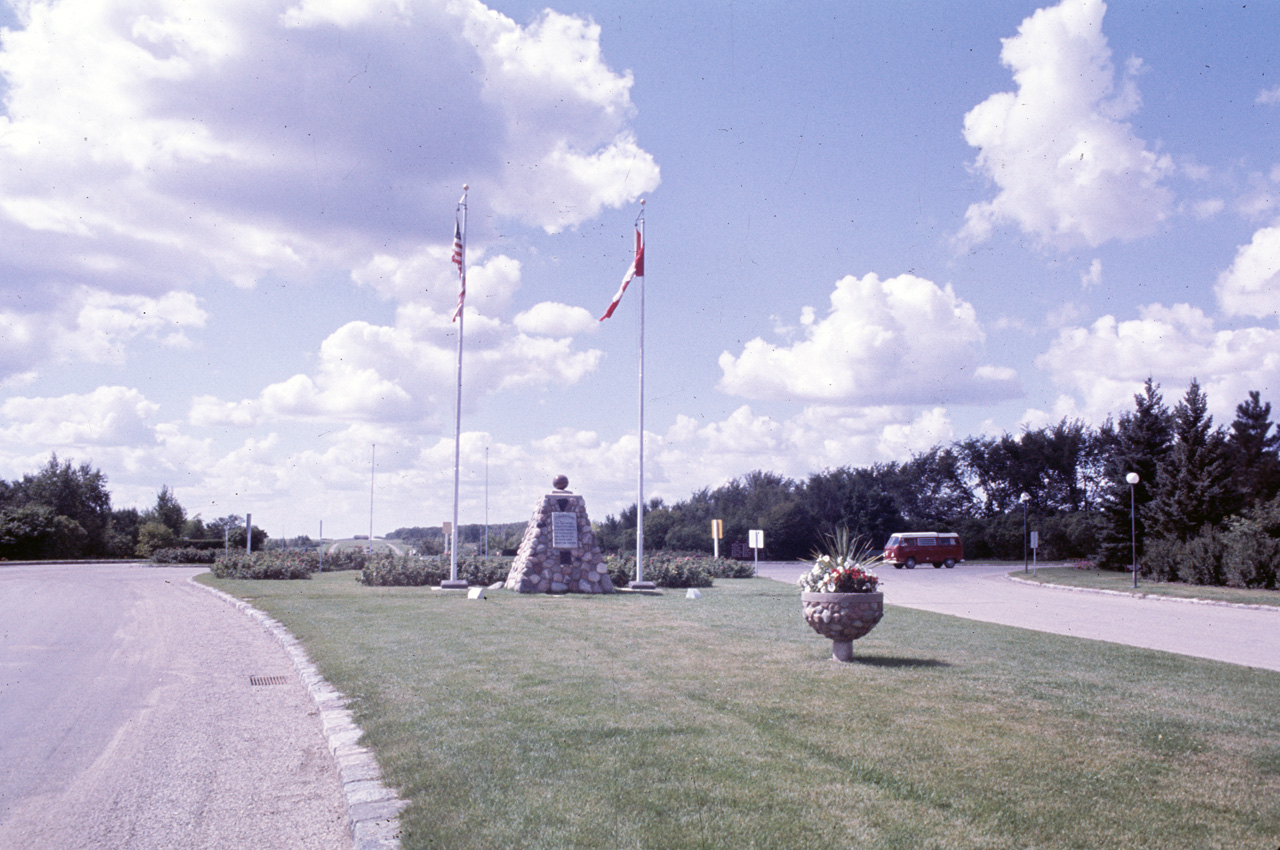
(345, 559)
(185, 555)
(676, 570)
(286, 564)
(409, 571)
(384, 570)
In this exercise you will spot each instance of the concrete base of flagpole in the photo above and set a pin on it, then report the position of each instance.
(642, 585)
(454, 584)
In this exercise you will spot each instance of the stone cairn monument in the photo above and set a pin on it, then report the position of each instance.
(559, 553)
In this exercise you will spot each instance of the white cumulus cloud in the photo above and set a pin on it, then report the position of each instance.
(148, 148)
(93, 325)
(1251, 285)
(406, 372)
(1101, 366)
(1067, 167)
(550, 318)
(108, 416)
(898, 341)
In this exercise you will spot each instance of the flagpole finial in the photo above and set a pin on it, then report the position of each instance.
(642, 202)
(467, 188)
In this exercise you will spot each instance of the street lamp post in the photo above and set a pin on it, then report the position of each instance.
(1024, 498)
(1133, 479)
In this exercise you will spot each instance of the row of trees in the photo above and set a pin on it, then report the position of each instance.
(1205, 508)
(63, 511)
(1204, 493)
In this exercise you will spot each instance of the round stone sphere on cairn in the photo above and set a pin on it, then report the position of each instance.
(560, 482)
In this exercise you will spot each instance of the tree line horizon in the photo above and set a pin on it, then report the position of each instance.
(1206, 507)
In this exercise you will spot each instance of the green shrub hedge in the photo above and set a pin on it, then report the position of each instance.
(726, 568)
(384, 570)
(345, 559)
(664, 569)
(288, 564)
(1247, 554)
(676, 570)
(185, 555)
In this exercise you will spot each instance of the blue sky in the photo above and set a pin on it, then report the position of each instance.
(872, 227)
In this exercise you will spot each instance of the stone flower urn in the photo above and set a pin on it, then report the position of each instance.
(842, 617)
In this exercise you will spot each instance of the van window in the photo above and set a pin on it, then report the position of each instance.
(927, 541)
(895, 540)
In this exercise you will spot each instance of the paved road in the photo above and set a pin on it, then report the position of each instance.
(127, 719)
(983, 592)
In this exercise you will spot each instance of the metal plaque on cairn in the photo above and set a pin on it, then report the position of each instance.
(564, 530)
(559, 553)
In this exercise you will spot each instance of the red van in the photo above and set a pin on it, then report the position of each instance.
(908, 548)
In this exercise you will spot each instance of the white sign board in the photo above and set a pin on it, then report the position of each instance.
(755, 538)
(1035, 540)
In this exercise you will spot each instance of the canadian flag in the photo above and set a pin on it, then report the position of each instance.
(636, 270)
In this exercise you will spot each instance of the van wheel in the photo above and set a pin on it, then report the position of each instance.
(937, 566)
(911, 563)
(951, 562)
(897, 566)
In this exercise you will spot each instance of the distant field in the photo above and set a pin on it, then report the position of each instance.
(636, 721)
(1123, 582)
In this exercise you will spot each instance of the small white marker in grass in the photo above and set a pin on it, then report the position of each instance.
(693, 593)
(475, 593)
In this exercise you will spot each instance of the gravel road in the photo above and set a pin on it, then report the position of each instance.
(128, 719)
(977, 591)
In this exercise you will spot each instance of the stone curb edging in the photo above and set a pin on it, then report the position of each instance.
(373, 809)
(1159, 597)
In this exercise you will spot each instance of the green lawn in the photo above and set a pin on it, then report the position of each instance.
(636, 721)
(1123, 582)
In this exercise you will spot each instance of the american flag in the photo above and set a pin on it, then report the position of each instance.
(459, 260)
(636, 270)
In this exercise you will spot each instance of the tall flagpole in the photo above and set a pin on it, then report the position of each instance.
(460, 258)
(486, 501)
(640, 583)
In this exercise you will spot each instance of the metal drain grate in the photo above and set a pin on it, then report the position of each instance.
(268, 680)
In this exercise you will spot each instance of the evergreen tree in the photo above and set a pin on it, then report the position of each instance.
(1141, 442)
(1192, 499)
(1254, 453)
(1191, 490)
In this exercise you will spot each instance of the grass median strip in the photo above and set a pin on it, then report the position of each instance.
(633, 721)
(1123, 583)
